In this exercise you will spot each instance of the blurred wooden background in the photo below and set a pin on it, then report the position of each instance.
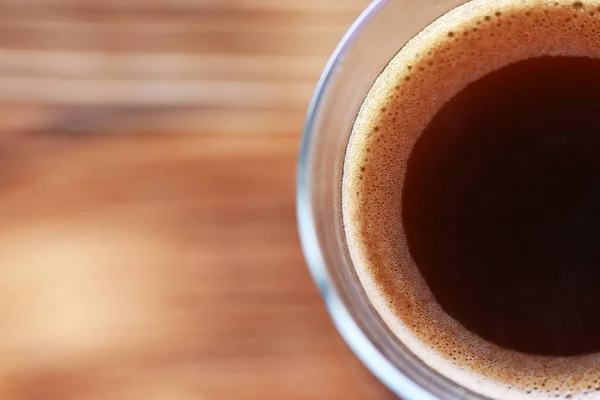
(233, 78)
(266, 56)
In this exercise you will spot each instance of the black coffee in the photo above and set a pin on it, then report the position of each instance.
(471, 197)
(501, 206)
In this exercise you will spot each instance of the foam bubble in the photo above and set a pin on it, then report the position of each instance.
(462, 46)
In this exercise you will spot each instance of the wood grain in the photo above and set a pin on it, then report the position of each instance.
(177, 122)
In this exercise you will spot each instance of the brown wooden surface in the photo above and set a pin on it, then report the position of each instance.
(285, 346)
(211, 176)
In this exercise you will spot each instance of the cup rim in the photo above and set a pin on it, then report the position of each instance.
(399, 383)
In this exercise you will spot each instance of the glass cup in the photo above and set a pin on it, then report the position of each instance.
(366, 49)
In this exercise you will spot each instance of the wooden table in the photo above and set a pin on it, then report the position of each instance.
(271, 338)
(232, 80)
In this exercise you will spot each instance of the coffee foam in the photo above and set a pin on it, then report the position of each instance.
(460, 47)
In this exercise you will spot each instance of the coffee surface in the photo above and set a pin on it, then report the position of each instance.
(501, 206)
(471, 192)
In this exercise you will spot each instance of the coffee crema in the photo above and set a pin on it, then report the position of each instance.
(424, 189)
